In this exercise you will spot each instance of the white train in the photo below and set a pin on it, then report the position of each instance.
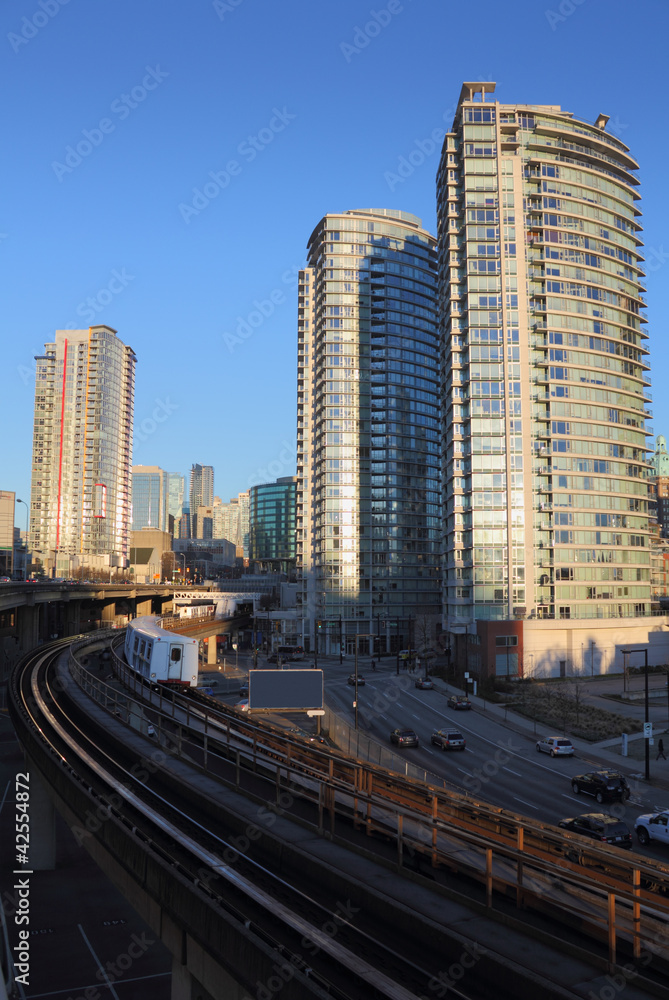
(158, 655)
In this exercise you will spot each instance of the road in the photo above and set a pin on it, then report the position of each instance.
(497, 766)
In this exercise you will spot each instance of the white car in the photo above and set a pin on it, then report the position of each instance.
(556, 746)
(652, 826)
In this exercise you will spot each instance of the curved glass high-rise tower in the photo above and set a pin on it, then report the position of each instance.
(545, 369)
(368, 507)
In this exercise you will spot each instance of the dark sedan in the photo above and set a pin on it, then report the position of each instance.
(600, 826)
(351, 680)
(404, 738)
(604, 785)
(459, 702)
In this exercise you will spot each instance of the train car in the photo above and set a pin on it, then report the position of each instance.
(158, 655)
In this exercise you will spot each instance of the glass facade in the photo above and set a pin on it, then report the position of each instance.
(82, 444)
(150, 497)
(272, 523)
(545, 369)
(368, 514)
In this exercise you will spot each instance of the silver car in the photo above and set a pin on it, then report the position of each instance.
(556, 746)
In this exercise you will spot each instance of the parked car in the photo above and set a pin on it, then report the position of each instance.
(351, 680)
(448, 739)
(652, 826)
(459, 702)
(602, 784)
(404, 738)
(556, 746)
(424, 683)
(407, 654)
(600, 826)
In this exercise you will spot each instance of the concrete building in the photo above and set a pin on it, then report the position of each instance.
(7, 514)
(201, 493)
(151, 558)
(368, 492)
(82, 452)
(150, 497)
(545, 388)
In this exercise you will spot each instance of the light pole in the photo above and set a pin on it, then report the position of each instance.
(644, 650)
(182, 555)
(25, 573)
(359, 635)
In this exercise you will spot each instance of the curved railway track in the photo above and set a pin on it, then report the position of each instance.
(353, 964)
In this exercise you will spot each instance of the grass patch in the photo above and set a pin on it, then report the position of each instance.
(561, 709)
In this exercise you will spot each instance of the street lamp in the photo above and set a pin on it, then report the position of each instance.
(646, 740)
(359, 635)
(25, 574)
(182, 555)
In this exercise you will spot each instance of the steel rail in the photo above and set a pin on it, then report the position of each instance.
(339, 953)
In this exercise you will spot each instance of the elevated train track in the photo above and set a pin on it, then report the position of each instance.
(616, 902)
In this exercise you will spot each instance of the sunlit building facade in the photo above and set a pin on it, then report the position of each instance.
(545, 370)
(82, 452)
(150, 497)
(368, 496)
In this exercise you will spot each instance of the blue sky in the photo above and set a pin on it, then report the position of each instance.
(297, 108)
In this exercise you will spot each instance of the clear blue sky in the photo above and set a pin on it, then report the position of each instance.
(313, 126)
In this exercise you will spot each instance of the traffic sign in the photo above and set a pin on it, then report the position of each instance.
(647, 730)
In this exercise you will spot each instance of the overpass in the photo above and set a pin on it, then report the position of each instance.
(261, 860)
(34, 613)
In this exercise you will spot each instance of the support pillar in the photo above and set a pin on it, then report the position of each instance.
(42, 850)
(28, 627)
(212, 644)
(108, 614)
(73, 618)
(185, 986)
(143, 606)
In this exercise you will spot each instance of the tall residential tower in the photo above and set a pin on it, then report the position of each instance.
(82, 451)
(368, 503)
(545, 381)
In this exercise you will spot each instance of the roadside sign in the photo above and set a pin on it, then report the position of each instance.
(647, 730)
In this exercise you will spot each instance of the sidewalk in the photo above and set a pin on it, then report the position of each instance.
(601, 752)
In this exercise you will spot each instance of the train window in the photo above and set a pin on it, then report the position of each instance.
(136, 642)
(142, 647)
(149, 647)
(175, 654)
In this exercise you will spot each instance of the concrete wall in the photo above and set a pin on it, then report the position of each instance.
(592, 646)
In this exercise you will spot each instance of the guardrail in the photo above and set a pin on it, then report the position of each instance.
(612, 896)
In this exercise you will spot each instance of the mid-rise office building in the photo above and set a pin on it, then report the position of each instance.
(201, 493)
(7, 514)
(272, 525)
(150, 498)
(368, 491)
(175, 499)
(82, 451)
(545, 384)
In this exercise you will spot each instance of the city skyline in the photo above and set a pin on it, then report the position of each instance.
(211, 317)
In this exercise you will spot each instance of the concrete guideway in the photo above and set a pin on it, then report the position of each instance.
(401, 894)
